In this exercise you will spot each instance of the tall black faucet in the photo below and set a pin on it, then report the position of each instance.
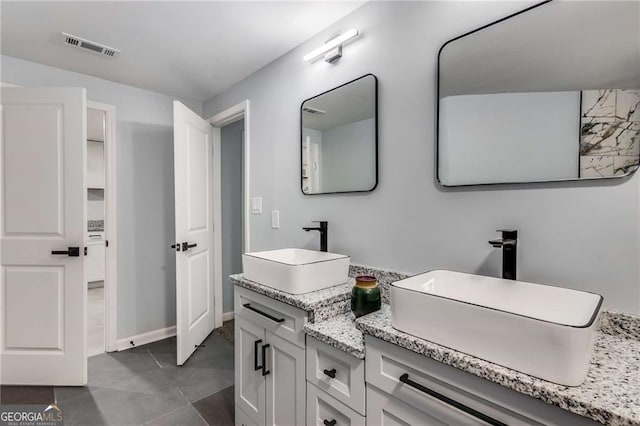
(324, 231)
(509, 244)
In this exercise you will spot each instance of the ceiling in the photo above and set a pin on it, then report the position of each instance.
(191, 50)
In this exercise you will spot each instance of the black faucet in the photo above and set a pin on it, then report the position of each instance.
(323, 228)
(509, 244)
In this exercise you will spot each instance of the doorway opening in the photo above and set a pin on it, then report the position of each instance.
(100, 241)
(233, 163)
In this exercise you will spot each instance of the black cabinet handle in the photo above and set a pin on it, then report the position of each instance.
(329, 422)
(331, 373)
(175, 246)
(70, 251)
(264, 359)
(406, 380)
(186, 246)
(256, 367)
(264, 314)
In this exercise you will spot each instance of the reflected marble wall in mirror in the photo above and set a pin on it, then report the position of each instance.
(339, 139)
(551, 93)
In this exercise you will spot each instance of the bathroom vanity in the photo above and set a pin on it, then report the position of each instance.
(305, 359)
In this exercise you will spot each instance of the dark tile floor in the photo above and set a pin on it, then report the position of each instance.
(226, 330)
(144, 385)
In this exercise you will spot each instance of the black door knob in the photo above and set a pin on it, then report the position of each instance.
(70, 251)
(186, 246)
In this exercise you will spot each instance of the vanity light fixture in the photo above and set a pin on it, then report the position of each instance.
(332, 49)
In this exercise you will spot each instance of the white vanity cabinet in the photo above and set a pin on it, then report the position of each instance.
(269, 361)
(404, 387)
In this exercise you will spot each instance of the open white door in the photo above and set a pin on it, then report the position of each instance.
(193, 140)
(43, 291)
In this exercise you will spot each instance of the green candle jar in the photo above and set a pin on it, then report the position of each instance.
(365, 296)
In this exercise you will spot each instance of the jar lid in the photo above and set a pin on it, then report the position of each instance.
(366, 281)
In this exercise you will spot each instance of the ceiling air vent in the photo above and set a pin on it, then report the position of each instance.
(313, 111)
(81, 43)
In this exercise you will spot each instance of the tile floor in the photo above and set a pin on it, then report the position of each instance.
(143, 386)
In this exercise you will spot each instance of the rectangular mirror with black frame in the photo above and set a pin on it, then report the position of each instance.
(339, 139)
(551, 93)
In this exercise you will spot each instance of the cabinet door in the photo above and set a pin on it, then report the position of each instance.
(286, 389)
(242, 419)
(250, 384)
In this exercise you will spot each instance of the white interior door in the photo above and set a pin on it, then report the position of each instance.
(193, 139)
(43, 294)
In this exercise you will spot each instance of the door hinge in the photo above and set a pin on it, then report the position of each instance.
(106, 243)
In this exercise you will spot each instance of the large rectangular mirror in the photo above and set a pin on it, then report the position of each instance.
(550, 93)
(339, 139)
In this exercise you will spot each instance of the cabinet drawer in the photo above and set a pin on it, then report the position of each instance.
(424, 378)
(384, 409)
(325, 410)
(281, 319)
(324, 361)
(242, 419)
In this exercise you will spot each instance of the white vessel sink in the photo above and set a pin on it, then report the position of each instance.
(544, 331)
(296, 271)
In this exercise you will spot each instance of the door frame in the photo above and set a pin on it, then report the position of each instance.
(110, 226)
(227, 116)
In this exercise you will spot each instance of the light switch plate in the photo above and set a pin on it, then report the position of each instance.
(275, 219)
(256, 205)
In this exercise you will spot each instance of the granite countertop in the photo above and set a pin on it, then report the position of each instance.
(320, 305)
(339, 332)
(610, 394)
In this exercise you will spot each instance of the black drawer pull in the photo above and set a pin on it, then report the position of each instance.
(70, 251)
(329, 422)
(264, 360)
(256, 367)
(331, 373)
(264, 314)
(405, 379)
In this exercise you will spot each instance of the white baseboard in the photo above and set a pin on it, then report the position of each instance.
(144, 338)
(227, 316)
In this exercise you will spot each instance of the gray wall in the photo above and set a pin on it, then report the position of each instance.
(348, 157)
(583, 235)
(146, 264)
(231, 182)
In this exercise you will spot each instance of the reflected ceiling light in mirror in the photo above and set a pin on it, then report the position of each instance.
(332, 49)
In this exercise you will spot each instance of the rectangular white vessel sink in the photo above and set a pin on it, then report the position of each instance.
(540, 330)
(296, 271)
